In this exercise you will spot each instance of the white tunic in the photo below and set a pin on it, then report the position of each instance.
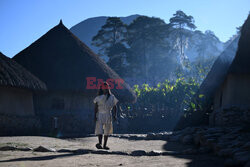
(104, 115)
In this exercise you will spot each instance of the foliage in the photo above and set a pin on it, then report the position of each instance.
(148, 50)
(110, 39)
(111, 33)
(162, 106)
(117, 58)
(180, 22)
(206, 42)
(168, 96)
(146, 38)
(200, 68)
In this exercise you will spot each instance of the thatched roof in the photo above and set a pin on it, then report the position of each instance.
(14, 75)
(211, 83)
(219, 70)
(241, 63)
(63, 62)
(234, 59)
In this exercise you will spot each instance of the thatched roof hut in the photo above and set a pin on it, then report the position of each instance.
(208, 88)
(218, 71)
(14, 75)
(231, 101)
(233, 60)
(226, 87)
(17, 86)
(241, 63)
(63, 62)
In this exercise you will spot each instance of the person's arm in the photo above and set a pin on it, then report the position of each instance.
(115, 112)
(96, 110)
(115, 101)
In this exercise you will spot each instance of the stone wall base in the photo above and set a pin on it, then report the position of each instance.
(233, 116)
(19, 125)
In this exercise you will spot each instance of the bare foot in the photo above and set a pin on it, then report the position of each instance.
(105, 147)
(98, 146)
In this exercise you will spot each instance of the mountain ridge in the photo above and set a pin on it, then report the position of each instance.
(88, 28)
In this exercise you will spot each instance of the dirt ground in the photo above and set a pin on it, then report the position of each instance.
(39, 159)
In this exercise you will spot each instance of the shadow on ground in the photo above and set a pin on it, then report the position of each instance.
(39, 158)
(199, 160)
(171, 149)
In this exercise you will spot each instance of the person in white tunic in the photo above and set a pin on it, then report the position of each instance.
(104, 103)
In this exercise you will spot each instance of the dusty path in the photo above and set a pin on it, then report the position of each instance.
(30, 159)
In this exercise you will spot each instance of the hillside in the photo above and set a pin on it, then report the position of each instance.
(88, 28)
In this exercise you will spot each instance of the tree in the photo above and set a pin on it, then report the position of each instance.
(208, 50)
(146, 37)
(110, 39)
(201, 67)
(180, 22)
(238, 29)
(208, 40)
(161, 105)
(118, 59)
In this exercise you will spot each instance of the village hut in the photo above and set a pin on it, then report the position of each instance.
(64, 63)
(217, 75)
(206, 93)
(17, 115)
(226, 100)
(231, 100)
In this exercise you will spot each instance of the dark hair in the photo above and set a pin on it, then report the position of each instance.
(106, 86)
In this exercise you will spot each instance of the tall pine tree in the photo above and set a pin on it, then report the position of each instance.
(146, 40)
(180, 22)
(110, 39)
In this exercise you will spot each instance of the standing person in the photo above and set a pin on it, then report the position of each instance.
(104, 103)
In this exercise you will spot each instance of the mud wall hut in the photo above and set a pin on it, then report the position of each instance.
(64, 63)
(232, 97)
(217, 75)
(17, 85)
(208, 87)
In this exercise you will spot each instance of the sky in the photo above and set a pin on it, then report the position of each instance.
(24, 21)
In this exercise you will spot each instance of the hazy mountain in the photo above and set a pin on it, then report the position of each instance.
(203, 45)
(199, 45)
(88, 28)
(211, 46)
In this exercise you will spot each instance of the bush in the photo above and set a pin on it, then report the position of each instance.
(160, 108)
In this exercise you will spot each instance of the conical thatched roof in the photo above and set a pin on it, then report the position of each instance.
(241, 63)
(234, 59)
(63, 62)
(14, 75)
(211, 83)
(219, 70)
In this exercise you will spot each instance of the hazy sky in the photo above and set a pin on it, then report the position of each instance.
(24, 21)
